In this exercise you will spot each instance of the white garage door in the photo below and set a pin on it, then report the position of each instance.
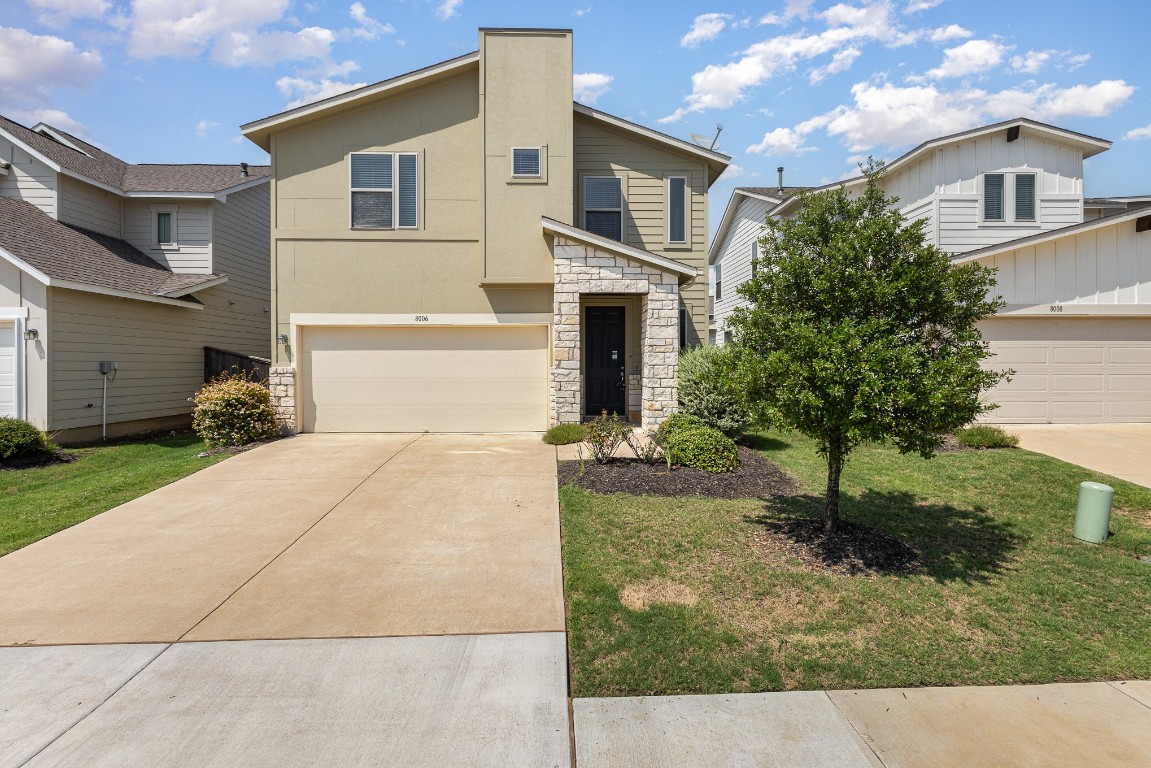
(1071, 370)
(8, 368)
(440, 379)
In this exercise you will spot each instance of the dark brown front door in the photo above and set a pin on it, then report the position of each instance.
(605, 374)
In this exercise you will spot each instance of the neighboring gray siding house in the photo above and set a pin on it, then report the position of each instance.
(1075, 272)
(140, 265)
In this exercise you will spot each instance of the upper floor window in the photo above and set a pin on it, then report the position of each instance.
(164, 227)
(677, 209)
(718, 281)
(385, 190)
(526, 162)
(999, 187)
(603, 206)
(754, 258)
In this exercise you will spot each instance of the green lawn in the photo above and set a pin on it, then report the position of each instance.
(1004, 595)
(39, 502)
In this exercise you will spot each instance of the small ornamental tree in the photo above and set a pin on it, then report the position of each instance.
(857, 330)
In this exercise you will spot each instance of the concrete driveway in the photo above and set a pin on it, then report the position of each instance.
(1119, 450)
(328, 599)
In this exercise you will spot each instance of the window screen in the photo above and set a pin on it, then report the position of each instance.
(526, 161)
(409, 192)
(754, 258)
(372, 191)
(164, 228)
(677, 209)
(993, 197)
(718, 282)
(603, 206)
(1025, 197)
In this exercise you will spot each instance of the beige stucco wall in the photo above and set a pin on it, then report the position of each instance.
(645, 167)
(19, 290)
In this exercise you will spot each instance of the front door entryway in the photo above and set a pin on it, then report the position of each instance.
(606, 373)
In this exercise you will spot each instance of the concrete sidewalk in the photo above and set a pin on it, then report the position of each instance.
(1039, 726)
(1119, 450)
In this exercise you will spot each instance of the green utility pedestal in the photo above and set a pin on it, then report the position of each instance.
(1093, 516)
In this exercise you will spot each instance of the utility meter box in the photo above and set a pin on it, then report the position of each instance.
(107, 367)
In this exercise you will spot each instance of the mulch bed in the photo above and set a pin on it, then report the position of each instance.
(951, 445)
(36, 460)
(756, 478)
(854, 550)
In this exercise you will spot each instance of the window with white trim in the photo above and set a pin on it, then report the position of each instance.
(526, 163)
(676, 209)
(1018, 188)
(718, 281)
(754, 258)
(603, 206)
(1024, 196)
(385, 190)
(164, 227)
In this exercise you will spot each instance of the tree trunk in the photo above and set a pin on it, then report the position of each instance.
(834, 468)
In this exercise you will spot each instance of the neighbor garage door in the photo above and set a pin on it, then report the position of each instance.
(416, 379)
(1071, 370)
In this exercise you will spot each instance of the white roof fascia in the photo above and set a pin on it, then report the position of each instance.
(729, 216)
(197, 287)
(359, 94)
(24, 267)
(613, 246)
(45, 128)
(1053, 234)
(86, 288)
(663, 138)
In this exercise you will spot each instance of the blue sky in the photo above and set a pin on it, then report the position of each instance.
(813, 86)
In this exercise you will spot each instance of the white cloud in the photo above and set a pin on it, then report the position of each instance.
(892, 116)
(800, 8)
(1139, 133)
(736, 171)
(236, 49)
(782, 141)
(32, 65)
(706, 27)
(300, 91)
(1072, 63)
(579, 13)
(720, 86)
(587, 87)
(916, 6)
(57, 13)
(971, 58)
(950, 32)
(448, 8)
(57, 118)
(1034, 61)
(369, 28)
(840, 62)
(204, 126)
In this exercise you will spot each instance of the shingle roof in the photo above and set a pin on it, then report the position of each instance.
(65, 252)
(111, 171)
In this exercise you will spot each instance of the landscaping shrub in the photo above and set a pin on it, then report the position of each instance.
(234, 410)
(708, 392)
(703, 448)
(565, 434)
(605, 434)
(677, 422)
(19, 438)
(986, 436)
(645, 448)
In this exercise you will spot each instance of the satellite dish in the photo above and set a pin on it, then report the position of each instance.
(708, 142)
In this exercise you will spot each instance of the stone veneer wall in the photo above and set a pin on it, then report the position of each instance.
(581, 269)
(282, 384)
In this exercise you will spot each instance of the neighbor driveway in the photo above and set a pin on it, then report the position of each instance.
(326, 599)
(1119, 450)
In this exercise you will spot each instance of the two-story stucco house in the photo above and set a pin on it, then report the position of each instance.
(464, 249)
(1075, 272)
(140, 266)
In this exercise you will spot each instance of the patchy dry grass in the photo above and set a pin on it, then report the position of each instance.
(695, 595)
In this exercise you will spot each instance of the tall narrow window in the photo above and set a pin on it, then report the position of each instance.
(993, 197)
(677, 209)
(409, 217)
(718, 282)
(164, 228)
(603, 206)
(683, 321)
(526, 162)
(1025, 197)
(373, 190)
(754, 258)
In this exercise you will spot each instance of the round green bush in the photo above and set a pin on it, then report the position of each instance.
(565, 434)
(677, 422)
(986, 436)
(707, 389)
(234, 410)
(19, 438)
(703, 448)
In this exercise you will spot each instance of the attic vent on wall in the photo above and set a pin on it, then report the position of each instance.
(1012, 133)
(1143, 224)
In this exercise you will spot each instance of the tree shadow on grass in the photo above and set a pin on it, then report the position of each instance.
(893, 533)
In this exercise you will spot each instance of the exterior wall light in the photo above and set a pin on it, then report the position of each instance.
(31, 334)
(282, 338)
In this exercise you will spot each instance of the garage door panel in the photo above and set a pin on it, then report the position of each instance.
(1085, 370)
(416, 379)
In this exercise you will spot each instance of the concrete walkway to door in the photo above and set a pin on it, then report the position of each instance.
(328, 599)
